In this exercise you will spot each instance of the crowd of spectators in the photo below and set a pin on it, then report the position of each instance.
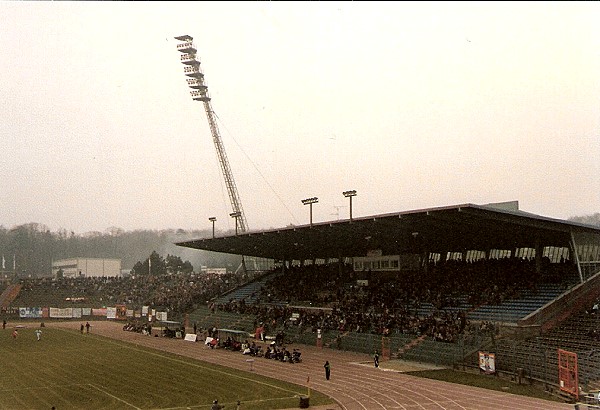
(275, 350)
(145, 328)
(329, 297)
(173, 293)
(326, 297)
(592, 315)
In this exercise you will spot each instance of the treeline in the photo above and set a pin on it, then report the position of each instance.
(29, 249)
(593, 219)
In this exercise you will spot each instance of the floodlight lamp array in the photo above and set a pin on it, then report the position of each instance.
(310, 200)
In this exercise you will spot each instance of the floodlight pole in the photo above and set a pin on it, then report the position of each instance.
(213, 219)
(236, 215)
(350, 194)
(310, 202)
(199, 92)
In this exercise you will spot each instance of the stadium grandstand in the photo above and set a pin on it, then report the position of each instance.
(482, 288)
(446, 285)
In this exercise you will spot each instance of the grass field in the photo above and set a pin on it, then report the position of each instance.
(486, 382)
(68, 370)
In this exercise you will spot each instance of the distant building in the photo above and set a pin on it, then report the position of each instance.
(87, 267)
(213, 271)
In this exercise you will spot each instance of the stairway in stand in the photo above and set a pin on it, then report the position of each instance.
(9, 294)
(410, 345)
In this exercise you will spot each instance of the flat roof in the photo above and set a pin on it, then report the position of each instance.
(441, 229)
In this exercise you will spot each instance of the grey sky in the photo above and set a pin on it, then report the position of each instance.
(414, 105)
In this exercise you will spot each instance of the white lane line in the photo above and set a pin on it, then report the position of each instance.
(113, 396)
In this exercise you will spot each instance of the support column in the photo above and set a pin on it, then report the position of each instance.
(443, 257)
(539, 250)
(575, 258)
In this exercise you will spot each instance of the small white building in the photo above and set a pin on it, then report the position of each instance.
(87, 267)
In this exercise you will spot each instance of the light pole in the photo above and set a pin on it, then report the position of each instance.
(310, 201)
(350, 194)
(236, 215)
(213, 219)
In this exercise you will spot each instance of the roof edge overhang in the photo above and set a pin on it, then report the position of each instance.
(284, 243)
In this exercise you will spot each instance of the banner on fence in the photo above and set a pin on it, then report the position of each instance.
(487, 362)
(121, 312)
(99, 312)
(111, 312)
(76, 312)
(30, 312)
(62, 313)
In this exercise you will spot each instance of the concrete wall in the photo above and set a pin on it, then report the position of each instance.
(577, 299)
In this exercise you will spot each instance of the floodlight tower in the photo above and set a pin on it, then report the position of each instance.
(199, 92)
(213, 219)
(310, 202)
(350, 194)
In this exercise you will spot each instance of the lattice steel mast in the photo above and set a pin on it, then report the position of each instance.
(200, 93)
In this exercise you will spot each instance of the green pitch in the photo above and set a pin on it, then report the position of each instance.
(68, 370)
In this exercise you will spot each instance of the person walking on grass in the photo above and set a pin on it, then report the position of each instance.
(38, 334)
(327, 367)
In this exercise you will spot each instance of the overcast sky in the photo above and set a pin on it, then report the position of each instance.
(413, 105)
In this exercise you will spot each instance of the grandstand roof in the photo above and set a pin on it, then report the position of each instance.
(443, 229)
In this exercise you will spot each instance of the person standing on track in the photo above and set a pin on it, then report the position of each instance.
(376, 359)
(327, 367)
